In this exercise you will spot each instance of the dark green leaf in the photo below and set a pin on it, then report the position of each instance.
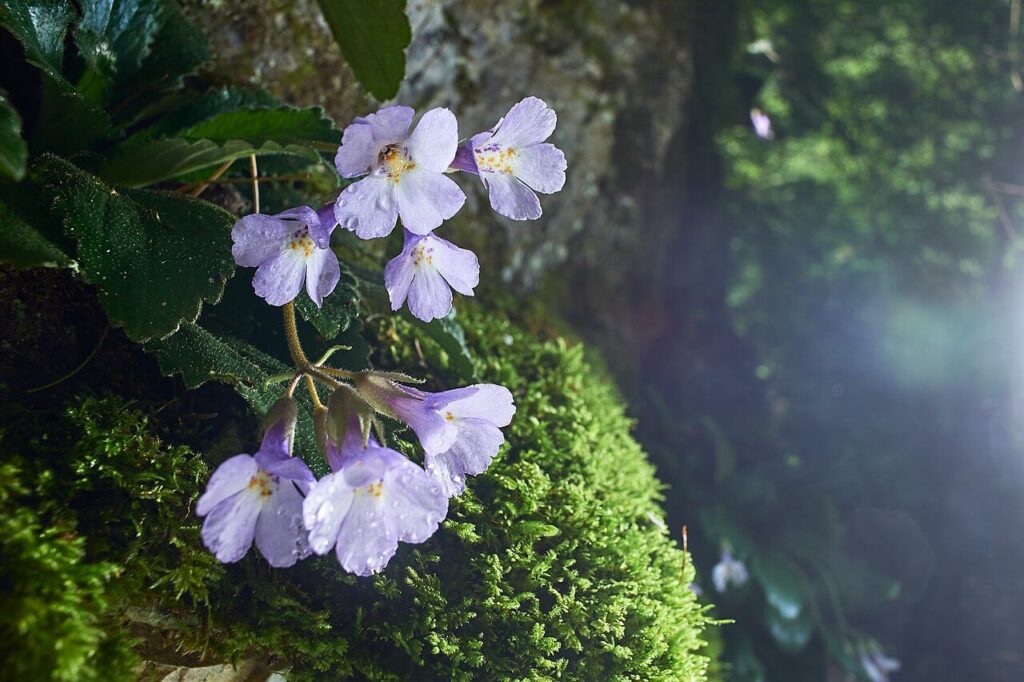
(115, 35)
(782, 583)
(40, 26)
(199, 356)
(448, 334)
(338, 309)
(23, 224)
(204, 107)
(284, 125)
(373, 35)
(154, 257)
(67, 122)
(13, 151)
(152, 161)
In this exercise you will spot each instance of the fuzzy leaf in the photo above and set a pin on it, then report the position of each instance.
(115, 35)
(373, 35)
(22, 240)
(338, 310)
(284, 125)
(39, 25)
(13, 151)
(200, 356)
(154, 257)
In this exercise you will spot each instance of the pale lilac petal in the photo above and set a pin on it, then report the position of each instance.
(280, 536)
(430, 297)
(458, 266)
(291, 469)
(324, 509)
(471, 454)
(510, 197)
(433, 143)
(398, 276)
(367, 539)
(415, 501)
(434, 432)
(489, 402)
(426, 199)
(322, 274)
(358, 151)
(541, 167)
(390, 124)
(368, 207)
(328, 221)
(447, 472)
(280, 279)
(529, 122)
(230, 477)
(257, 238)
(229, 527)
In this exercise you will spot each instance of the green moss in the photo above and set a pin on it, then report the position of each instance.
(555, 564)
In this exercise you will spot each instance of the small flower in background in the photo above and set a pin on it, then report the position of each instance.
(287, 249)
(729, 572)
(514, 162)
(258, 497)
(762, 124)
(404, 172)
(696, 589)
(375, 499)
(460, 430)
(426, 271)
(877, 665)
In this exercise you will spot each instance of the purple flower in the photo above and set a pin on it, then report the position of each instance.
(729, 571)
(375, 499)
(514, 162)
(762, 124)
(426, 271)
(258, 497)
(460, 430)
(404, 172)
(287, 249)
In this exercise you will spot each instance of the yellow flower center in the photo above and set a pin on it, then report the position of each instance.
(421, 255)
(303, 243)
(376, 489)
(495, 159)
(394, 162)
(262, 483)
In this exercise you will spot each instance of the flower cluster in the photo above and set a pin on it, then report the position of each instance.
(403, 174)
(374, 496)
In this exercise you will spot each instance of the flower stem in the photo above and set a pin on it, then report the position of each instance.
(255, 184)
(291, 333)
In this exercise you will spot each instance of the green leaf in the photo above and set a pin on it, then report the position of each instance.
(13, 151)
(152, 161)
(373, 35)
(114, 36)
(142, 160)
(199, 356)
(782, 583)
(338, 310)
(154, 257)
(448, 334)
(39, 26)
(23, 222)
(203, 107)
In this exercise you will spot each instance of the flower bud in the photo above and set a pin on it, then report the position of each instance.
(282, 415)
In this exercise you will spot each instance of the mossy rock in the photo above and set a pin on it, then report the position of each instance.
(554, 565)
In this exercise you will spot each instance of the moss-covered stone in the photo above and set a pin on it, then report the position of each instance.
(555, 564)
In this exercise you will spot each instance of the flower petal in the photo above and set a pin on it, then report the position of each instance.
(529, 122)
(429, 295)
(230, 477)
(390, 124)
(229, 528)
(358, 151)
(280, 536)
(322, 274)
(257, 238)
(510, 197)
(541, 167)
(460, 267)
(398, 276)
(490, 402)
(426, 199)
(415, 502)
(366, 540)
(280, 279)
(324, 509)
(434, 432)
(368, 207)
(432, 145)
